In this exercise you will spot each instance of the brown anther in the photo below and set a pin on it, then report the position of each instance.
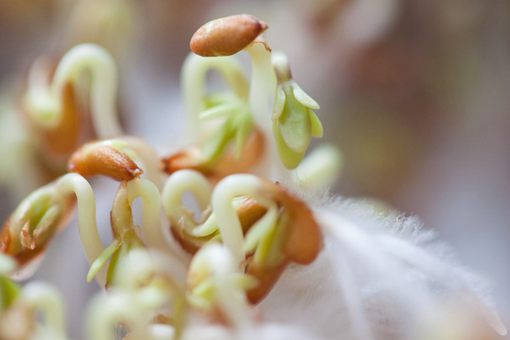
(226, 36)
(97, 158)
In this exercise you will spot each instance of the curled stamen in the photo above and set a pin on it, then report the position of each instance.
(294, 236)
(193, 80)
(233, 140)
(59, 136)
(92, 244)
(153, 235)
(106, 158)
(193, 233)
(44, 102)
(180, 217)
(229, 35)
(28, 230)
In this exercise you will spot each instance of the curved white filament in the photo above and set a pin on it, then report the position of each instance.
(193, 82)
(178, 184)
(92, 244)
(44, 100)
(151, 211)
(101, 65)
(226, 216)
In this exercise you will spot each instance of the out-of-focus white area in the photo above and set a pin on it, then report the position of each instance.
(415, 93)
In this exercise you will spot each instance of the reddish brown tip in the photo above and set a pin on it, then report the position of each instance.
(226, 36)
(102, 159)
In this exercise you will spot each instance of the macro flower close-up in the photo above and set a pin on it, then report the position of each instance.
(269, 170)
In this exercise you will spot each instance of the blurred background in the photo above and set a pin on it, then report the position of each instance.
(415, 94)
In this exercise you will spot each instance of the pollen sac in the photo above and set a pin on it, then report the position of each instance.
(28, 230)
(104, 158)
(226, 36)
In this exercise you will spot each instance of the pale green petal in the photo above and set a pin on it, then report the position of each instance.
(279, 102)
(295, 124)
(304, 98)
(317, 129)
(289, 157)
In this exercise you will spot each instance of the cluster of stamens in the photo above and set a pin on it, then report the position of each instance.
(218, 259)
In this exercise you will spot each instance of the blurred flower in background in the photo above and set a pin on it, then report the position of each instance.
(414, 93)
